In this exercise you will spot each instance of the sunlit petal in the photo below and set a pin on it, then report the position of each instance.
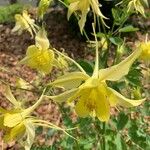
(125, 102)
(116, 72)
(70, 80)
(8, 94)
(81, 109)
(63, 96)
(103, 106)
(72, 7)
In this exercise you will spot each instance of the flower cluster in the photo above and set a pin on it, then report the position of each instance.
(91, 95)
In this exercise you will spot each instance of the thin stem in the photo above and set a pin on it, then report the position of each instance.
(9, 72)
(33, 107)
(14, 87)
(70, 59)
(104, 140)
(117, 30)
(96, 68)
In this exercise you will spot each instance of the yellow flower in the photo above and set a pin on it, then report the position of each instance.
(92, 95)
(137, 5)
(42, 7)
(39, 56)
(84, 7)
(145, 47)
(24, 22)
(18, 124)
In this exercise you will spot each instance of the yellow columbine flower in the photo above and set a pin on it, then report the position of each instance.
(137, 5)
(40, 56)
(42, 7)
(92, 94)
(18, 124)
(145, 47)
(24, 22)
(84, 7)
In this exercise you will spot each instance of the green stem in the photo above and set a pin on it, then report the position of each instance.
(96, 68)
(70, 59)
(104, 140)
(121, 25)
(33, 107)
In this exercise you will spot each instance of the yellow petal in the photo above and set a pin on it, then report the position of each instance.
(8, 94)
(116, 72)
(103, 107)
(72, 8)
(63, 97)
(96, 8)
(2, 122)
(15, 116)
(31, 50)
(42, 60)
(11, 120)
(42, 7)
(145, 55)
(21, 83)
(90, 83)
(70, 80)
(2, 110)
(81, 108)
(123, 101)
(30, 133)
(82, 20)
(15, 132)
(30, 22)
(112, 100)
(41, 39)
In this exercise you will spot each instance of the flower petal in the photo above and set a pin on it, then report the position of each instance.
(82, 20)
(39, 59)
(70, 80)
(11, 120)
(95, 6)
(62, 97)
(8, 94)
(2, 110)
(15, 132)
(2, 122)
(103, 107)
(41, 39)
(116, 72)
(90, 83)
(72, 8)
(123, 101)
(81, 109)
(30, 133)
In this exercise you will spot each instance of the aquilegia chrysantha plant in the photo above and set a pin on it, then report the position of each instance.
(90, 94)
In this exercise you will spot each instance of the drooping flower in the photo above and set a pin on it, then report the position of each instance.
(138, 6)
(42, 7)
(24, 22)
(92, 95)
(18, 123)
(83, 6)
(40, 56)
(145, 47)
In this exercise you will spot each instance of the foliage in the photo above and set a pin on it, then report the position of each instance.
(7, 12)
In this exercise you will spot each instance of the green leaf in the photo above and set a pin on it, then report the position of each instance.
(87, 66)
(122, 121)
(116, 40)
(129, 28)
